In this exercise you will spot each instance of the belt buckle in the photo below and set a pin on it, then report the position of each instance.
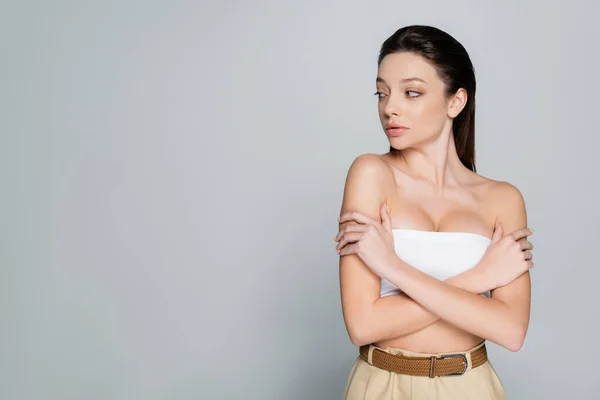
(457, 355)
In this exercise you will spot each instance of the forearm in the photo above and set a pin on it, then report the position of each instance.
(399, 315)
(485, 317)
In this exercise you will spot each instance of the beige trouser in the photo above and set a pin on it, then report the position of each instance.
(367, 382)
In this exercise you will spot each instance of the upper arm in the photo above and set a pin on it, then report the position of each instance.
(365, 191)
(512, 215)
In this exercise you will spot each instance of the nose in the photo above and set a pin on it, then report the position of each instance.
(392, 105)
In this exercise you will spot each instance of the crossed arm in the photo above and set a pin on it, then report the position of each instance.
(414, 316)
(502, 319)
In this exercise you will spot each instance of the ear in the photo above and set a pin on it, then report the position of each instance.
(457, 103)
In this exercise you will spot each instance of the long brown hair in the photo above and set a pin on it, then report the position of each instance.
(453, 65)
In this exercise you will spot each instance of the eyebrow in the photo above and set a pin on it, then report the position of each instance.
(414, 78)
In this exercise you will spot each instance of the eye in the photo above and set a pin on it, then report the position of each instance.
(378, 94)
(412, 91)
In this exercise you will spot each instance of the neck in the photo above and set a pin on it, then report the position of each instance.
(435, 161)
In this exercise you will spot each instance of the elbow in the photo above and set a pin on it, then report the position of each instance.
(359, 337)
(360, 332)
(516, 338)
(514, 346)
(360, 325)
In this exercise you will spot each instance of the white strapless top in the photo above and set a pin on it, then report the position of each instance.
(439, 254)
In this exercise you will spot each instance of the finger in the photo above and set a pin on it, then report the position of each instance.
(349, 238)
(520, 233)
(497, 232)
(525, 244)
(346, 250)
(386, 221)
(358, 217)
(350, 228)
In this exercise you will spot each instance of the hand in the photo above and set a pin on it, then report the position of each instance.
(370, 239)
(507, 257)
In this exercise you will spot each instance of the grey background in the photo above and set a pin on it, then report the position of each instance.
(172, 172)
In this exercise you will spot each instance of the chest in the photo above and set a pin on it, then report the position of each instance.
(438, 254)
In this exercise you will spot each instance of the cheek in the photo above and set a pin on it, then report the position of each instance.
(429, 117)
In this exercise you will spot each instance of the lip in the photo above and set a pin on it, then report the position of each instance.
(394, 125)
(393, 131)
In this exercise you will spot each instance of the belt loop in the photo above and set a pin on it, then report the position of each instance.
(432, 367)
(370, 357)
(469, 361)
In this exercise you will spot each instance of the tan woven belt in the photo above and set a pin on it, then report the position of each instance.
(444, 365)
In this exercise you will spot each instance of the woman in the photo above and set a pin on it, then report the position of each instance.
(434, 258)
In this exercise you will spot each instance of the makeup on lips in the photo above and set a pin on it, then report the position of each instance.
(393, 129)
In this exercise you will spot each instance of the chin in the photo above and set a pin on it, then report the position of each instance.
(397, 142)
(396, 147)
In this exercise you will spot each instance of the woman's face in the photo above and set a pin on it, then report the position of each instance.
(411, 94)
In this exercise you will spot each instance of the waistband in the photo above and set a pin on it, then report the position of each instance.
(408, 362)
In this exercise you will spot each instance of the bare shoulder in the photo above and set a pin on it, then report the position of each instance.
(371, 170)
(370, 163)
(367, 184)
(505, 194)
(508, 204)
